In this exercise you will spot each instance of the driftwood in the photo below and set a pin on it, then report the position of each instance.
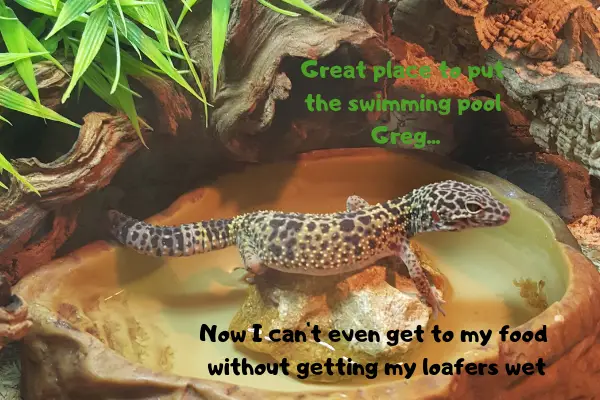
(104, 143)
(260, 68)
(550, 52)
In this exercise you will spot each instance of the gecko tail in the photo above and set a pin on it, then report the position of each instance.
(174, 241)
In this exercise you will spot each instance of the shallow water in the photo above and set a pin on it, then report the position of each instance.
(170, 298)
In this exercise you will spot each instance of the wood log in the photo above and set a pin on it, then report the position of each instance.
(261, 68)
(550, 53)
(104, 142)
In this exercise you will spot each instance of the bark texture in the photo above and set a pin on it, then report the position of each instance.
(550, 52)
(260, 91)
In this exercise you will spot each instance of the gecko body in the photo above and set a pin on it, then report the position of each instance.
(327, 244)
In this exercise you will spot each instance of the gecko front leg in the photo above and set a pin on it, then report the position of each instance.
(355, 203)
(410, 259)
(417, 274)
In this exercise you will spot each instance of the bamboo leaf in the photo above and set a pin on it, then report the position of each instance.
(37, 26)
(220, 20)
(45, 7)
(134, 3)
(55, 4)
(72, 10)
(5, 120)
(125, 99)
(160, 23)
(120, 100)
(188, 60)
(91, 41)
(101, 3)
(303, 6)
(150, 48)
(100, 86)
(18, 102)
(80, 86)
(6, 165)
(129, 63)
(15, 40)
(34, 44)
(188, 8)
(277, 9)
(120, 10)
(117, 53)
(51, 44)
(9, 58)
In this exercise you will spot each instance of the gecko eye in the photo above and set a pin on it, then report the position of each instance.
(473, 207)
(435, 217)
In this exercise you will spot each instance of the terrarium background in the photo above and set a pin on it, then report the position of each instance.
(543, 141)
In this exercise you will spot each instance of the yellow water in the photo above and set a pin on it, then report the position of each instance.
(179, 295)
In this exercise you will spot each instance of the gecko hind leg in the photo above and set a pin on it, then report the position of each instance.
(355, 203)
(252, 262)
(255, 267)
(417, 274)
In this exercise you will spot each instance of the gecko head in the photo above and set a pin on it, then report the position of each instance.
(454, 206)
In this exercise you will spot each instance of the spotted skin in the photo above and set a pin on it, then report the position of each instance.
(327, 244)
(410, 259)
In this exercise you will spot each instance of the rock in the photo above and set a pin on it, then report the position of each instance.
(367, 300)
(587, 232)
(14, 322)
(563, 185)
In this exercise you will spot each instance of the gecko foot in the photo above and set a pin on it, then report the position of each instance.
(435, 301)
(254, 269)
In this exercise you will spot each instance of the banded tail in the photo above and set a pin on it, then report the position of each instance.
(175, 241)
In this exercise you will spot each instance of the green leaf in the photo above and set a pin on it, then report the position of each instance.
(188, 60)
(101, 3)
(55, 4)
(80, 86)
(140, 15)
(303, 6)
(9, 58)
(220, 20)
(130, 64)
(5, 165)
(160, 24)
(188, 8)
(91, 41)
(15, 40)
(125, 99)
(151, 49)
(120, 100)
(45, 7)
(18, 102)
(277, 9)
(5, 120)
(37, 26)
(72, 10)
(51, 44)
(134, 3)
(34, 44)
(120, 10)
(99, 85)
(117, 52)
